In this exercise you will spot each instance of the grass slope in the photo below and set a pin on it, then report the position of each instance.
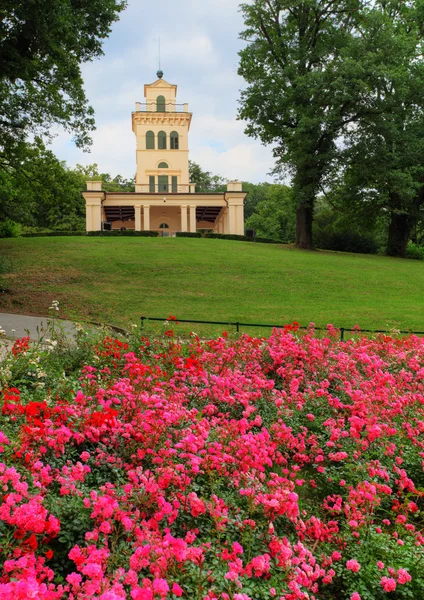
(117, 280)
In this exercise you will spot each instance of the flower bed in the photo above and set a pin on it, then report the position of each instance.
(287, 468)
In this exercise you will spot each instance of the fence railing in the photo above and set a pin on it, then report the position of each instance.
(238, 324)
(168, 107)
(164, 188)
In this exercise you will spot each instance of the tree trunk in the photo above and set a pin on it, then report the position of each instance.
(399, 233)
(305, 189)
(304, 217)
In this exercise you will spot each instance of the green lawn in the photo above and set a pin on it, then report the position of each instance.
(117, 280)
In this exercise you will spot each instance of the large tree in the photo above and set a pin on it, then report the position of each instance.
(42, 45)
(384, 167)
(302, 87)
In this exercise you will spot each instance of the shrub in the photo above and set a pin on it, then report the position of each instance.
(414, 251)
(345, 241)
(9, 229)
(54, 233)
(189, 234)
(240, 238)
(245, 469)
(127, 232)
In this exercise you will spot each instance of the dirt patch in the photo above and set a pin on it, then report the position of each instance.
(32, 291)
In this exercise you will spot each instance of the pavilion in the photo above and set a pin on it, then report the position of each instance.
(164, 199)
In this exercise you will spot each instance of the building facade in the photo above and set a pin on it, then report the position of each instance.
(164, 199)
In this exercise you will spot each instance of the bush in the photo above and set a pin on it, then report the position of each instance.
(54, 233)
(127, 232)
(240, 238)
(345, 241)
(9, 229)
(189, 234)
(414, 251)
(135, 466)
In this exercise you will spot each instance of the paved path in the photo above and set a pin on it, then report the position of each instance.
(17, 326)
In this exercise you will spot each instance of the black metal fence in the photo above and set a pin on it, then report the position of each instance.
(238, 325)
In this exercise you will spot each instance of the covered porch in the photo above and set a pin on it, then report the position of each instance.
(166, 214)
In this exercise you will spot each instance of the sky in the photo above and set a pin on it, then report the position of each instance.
(199, 45)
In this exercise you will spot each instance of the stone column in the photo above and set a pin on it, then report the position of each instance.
(192, 219)
(240, 219)
(146, 214)
(232, 219)
(137, 213)
(97, 216)
(183, 217)
(93, 205)
(225, 226)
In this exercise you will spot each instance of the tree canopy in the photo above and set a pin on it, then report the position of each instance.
(319, 73)
(204, 180)
(42, 46)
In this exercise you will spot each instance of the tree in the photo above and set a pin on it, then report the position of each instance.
(109, 183)
(275, 215)
(384, 169)
(204, 180)
(42, 45)
(41, 191)
(256, 193)
(302, 88)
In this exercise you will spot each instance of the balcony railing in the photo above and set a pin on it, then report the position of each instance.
(146, 188)
(155, 107)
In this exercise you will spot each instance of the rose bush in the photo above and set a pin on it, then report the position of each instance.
(246, 469)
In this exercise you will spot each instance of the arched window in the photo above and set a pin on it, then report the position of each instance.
(162, 140)
(174, 140)
(150, 140)
(163, 165)
(164, 226)
(160, 104)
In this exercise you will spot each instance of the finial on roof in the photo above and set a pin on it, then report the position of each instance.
(159, 74)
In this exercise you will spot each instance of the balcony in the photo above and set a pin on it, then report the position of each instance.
(164, 188)
(161, 108)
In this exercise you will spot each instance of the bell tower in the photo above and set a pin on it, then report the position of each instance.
(161, 128)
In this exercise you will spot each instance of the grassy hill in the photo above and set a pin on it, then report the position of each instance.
(116, 280)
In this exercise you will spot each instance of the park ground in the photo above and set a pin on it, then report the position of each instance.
(117, 280)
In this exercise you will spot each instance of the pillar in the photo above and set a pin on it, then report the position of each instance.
(225, 225)
(146, 215)
(88, 218)
(97, 216)
(137, 212)
(193, 219)
(240, 220)
(183, 217)
(232, 219)
(93, 197)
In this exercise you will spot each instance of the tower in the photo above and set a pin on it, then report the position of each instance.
(161, 128)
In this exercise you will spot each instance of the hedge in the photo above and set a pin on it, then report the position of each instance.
(127, 232)
(241, 238)
(53, 233)
(190, 234)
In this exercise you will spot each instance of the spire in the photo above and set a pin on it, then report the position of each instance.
(160, 72)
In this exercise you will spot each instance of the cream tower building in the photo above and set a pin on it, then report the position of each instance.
(164, 199)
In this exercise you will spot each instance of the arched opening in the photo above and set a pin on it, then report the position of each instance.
(164, 227)
(174, 140)
(150, 140)
(163, 165)
(162, 140)
(160, 104)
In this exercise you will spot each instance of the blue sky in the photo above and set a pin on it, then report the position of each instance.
(199, 45)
